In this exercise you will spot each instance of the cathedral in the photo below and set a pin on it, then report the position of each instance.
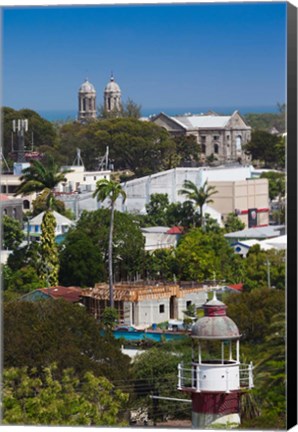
(87, 99)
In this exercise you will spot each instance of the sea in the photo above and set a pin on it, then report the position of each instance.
(70, 114)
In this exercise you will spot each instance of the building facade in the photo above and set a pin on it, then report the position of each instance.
(219, 137)
(237, 191)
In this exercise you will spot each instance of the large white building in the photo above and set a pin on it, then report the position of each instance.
(237, 190)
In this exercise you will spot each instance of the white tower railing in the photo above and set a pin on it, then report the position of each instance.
(227, 377)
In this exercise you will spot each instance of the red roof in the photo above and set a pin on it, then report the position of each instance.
(238, 287)
(175, 230)
(4, 197)
(70, 294)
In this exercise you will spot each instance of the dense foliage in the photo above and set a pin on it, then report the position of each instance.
(40, 333)
(41, 132)
(13, 234)
(128, 245)
(32, 398)
(268, 121)
(267, 148)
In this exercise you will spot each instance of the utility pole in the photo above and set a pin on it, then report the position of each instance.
(268, 273)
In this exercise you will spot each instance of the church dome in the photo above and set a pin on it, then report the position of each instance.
(87, 87)
(112, 86)
(215, 324)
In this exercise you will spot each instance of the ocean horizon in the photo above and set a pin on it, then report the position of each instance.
(71, 114)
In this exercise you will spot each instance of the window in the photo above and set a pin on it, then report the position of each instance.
(26, 205)
(188, 303)
(203, 138)
(94, 178)
(216, 148)
(161, 308)
(203, 148)
(215, 137)
(228, 137)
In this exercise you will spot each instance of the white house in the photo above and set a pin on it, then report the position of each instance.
(34, 225)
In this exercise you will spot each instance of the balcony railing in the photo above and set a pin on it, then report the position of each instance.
(214, 376)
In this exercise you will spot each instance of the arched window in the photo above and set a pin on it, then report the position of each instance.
(26, 204)
(238, 143)
(216, 148)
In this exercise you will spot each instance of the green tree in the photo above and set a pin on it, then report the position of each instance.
(48, 268)
(41, 130)
(233, 223)
(161, 264)
(109, 189)
(253, 313)
(42, 332)
(187, 149)
(23, 280)
(157, 209)
(277, 184)
(128, 240)
(270, 373)
(33, 398)
(262, 146)
(40, 204)
(13, 234)
(200, 196)
(109, 318)
(41, 178)
(259, 266)
(135, 145)
(131, 109)
(81, 261)
(205, 255)
(155, 372)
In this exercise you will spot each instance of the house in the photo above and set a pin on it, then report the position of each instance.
(63, 224)
(12, 207)
(143, 304)
(220, 136)
(160, 237)
(69, 294)
(256, 233)
(278, 243)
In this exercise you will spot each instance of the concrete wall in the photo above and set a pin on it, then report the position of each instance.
(196, 298)
(138, 191)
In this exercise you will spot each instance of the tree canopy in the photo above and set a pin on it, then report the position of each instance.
(40, 333)
(30, 398)
(44, 132)
(13, 234)
(128, 242)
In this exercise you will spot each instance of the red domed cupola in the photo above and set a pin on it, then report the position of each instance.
(215, 324)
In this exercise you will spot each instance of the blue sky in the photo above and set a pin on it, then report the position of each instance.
(161, 55)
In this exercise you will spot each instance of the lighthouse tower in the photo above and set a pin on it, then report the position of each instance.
(215, 378)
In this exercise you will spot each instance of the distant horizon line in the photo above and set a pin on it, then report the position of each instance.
(66, 113)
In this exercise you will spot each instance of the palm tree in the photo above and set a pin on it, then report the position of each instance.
(44, 178)
(112, 190)
(39, 177)
(200, 196)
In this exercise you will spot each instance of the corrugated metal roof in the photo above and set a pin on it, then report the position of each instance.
(202, 121)
(70, 294)
(60, 220)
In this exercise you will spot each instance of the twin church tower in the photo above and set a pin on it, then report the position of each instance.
(87, 99)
